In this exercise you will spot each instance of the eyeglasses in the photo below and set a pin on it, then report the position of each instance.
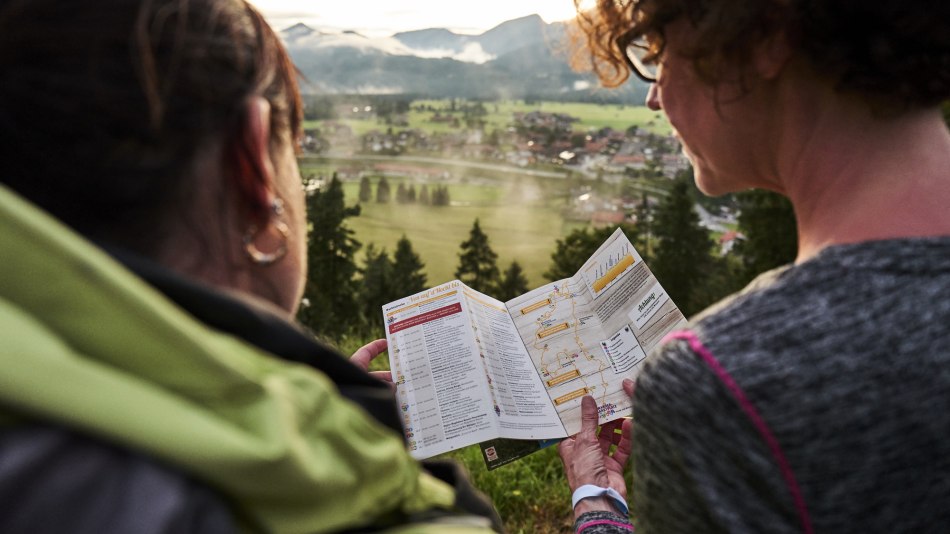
(641, 60)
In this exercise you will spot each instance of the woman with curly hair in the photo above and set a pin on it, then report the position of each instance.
(811, 400)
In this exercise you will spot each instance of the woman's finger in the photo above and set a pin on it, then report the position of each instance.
(368, 352)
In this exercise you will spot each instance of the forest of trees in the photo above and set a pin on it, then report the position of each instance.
(344, 300)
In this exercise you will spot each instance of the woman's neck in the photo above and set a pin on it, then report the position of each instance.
(854, 177)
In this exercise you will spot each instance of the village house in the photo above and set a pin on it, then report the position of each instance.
(728, 240)
(620, 163)
(671, 164)
(602, 218)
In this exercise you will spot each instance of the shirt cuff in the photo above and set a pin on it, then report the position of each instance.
(602, 523)
(590, 490)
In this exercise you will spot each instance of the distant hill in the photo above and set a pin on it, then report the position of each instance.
(433, 38)
(514, 34)
(516, 59)
(506, 37)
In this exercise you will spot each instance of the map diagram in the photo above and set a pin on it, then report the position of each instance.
(554, 327)
(471, 369)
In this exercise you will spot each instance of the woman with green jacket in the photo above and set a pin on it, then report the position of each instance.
(152, 224)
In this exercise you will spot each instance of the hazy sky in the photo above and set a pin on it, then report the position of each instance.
(385, 17)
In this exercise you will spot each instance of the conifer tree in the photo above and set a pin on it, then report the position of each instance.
(330, 294)
(513, 283)
(408, 270)
(682, 251)
(477, 262)
(382, 191)
(577, 247)
(440, 197)
(644, 243)
(376, 288)
(402, 195)
(365, 190)
(411, 194)
(424, 195)
(770, 236)
(494, 138)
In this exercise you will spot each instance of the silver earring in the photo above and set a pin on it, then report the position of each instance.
(255, 254)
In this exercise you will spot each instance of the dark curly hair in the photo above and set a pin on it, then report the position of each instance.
(889, 52)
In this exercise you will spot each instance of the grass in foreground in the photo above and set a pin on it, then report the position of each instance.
(531, 494)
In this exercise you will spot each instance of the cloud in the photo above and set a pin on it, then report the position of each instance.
(380, 90)
(474, 53)
(471, 53)
(386, 45)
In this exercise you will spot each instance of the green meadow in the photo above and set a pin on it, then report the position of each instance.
(522, 222)
(591, 116)
(522, 216)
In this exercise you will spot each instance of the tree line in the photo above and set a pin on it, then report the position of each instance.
(343, 300)
(404, 194)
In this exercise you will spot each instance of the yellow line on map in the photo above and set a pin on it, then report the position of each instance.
(528, 309)
(560, 379)
(570, 396)
(553, 330)
(613, 273)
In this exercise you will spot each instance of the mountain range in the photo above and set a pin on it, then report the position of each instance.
(520, 58)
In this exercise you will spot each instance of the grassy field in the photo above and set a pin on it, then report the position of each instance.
(522, 217)
(592, 116)
(522, 232)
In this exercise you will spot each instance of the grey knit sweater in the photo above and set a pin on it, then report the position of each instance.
(816, 400)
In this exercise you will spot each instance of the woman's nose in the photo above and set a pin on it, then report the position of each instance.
(653, 98)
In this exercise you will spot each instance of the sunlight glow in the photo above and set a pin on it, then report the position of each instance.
(384, 17)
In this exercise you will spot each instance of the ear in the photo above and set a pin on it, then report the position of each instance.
(253, 170)
(771, 55)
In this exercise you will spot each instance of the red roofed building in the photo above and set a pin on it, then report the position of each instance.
(607, 218)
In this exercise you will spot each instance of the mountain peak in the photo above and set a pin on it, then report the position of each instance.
(533, 18)
(297, 30)
(513, 60)
(442, 32)
(513, 34)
